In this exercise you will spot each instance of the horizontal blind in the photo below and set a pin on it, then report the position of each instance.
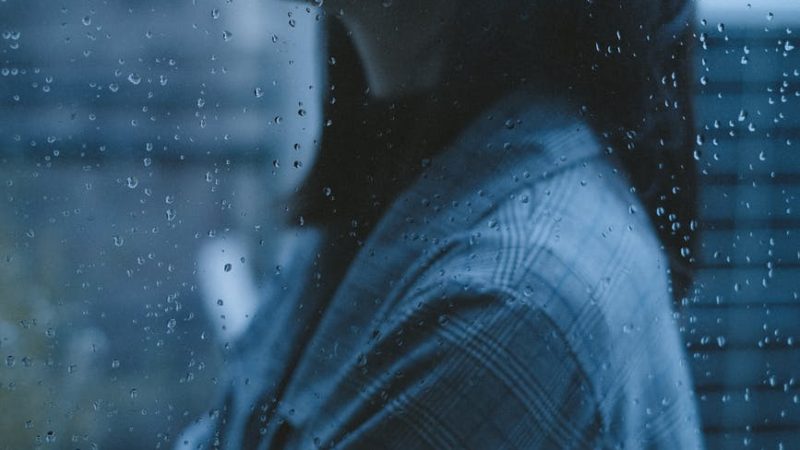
(742, 329)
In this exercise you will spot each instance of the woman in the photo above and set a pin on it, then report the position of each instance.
(479, 269)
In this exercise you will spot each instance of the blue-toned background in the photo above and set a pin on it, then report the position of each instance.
(144, 145)
(742, 331)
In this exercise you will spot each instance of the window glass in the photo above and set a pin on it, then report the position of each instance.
(144, 146)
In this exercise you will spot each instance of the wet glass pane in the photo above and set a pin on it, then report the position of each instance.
(741, 330)
(139, 146)
(165, 168)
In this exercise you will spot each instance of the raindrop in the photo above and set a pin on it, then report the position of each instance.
(700, 139)
(742, 115)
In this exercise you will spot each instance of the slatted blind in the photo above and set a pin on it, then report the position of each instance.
(743, 329)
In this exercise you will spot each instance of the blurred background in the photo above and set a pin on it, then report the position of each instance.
(143, 145)
(742, 329)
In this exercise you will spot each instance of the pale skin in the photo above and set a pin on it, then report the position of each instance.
(402, 43)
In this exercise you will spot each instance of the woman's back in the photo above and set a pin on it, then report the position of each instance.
(513, 297)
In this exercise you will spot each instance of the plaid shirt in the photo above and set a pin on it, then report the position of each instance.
(514, 297)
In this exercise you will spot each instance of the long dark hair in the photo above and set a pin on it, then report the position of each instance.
(623, 64)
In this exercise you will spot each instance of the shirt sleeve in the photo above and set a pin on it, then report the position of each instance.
(468, 373)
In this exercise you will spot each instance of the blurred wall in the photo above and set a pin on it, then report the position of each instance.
(144, 147)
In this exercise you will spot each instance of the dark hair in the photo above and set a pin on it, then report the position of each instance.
(624, 64)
